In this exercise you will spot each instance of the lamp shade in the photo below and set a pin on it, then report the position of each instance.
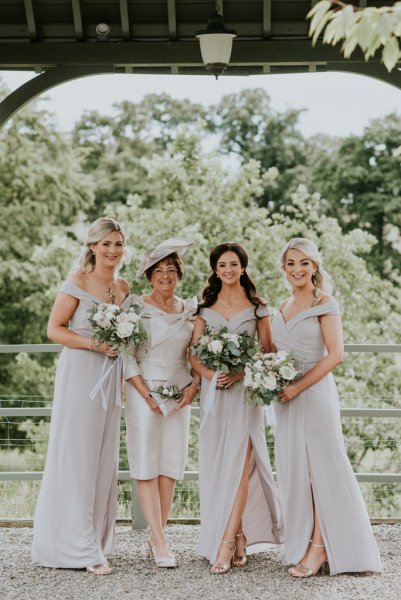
(215, 44)
(216, 47)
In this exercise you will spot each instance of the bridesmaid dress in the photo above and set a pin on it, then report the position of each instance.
(76, 509)
(158, 445)
(223, 442)
(312, 463)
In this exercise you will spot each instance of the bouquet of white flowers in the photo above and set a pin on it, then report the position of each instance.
(167, 398)
(223, 351)
(118, 326)
(266, 375)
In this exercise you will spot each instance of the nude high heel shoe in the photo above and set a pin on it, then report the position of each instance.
(223, 567)
(166, 562)
(240, 561)
(303, 572)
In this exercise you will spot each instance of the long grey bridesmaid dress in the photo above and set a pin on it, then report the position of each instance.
(312, 464)
(223, 442)
(76, 509)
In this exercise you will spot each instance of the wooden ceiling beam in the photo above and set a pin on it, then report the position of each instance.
(125, 22)
(144, 54)
(30, 19)
(172, 19)
(267, 18)
(77, 16)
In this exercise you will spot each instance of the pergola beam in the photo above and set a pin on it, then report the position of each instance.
(77, 16)
(267, 18)
(30, 19)
(42, 83)
(172, 19)
(125, 23)
(163, 53)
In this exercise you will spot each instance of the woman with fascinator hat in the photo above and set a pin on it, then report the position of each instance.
(158, 444)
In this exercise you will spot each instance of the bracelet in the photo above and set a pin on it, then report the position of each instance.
(148, 395)
(90, 343)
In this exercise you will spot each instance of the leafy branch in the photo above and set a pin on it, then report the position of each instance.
(369, 28)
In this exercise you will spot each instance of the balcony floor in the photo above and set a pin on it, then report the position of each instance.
(136, 578)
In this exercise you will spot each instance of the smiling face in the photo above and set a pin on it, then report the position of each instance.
(229, 268)
(109, 251)
(299, 268)
(164, 277)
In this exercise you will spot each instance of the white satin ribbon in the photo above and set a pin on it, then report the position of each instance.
(208, 405)
(270, 416)
(104, 376)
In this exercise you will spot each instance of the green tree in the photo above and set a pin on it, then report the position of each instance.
(115, 145)
(251, 129)
(360, 176)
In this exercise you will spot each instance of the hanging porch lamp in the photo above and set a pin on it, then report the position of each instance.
(216, 43)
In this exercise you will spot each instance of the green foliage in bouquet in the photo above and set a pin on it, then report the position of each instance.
(223, 351)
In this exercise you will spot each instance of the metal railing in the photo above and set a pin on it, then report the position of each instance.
(124, 475)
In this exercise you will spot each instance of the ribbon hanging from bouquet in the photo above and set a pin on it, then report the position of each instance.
(270, 416)
(118, 363)
(208, 405)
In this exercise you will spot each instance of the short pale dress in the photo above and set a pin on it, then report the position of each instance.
(158, 445)
(312, 463)
(223, 443)
(76, 509)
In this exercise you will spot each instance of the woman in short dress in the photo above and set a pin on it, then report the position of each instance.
(158, 445)
(76, 509)
(238, 497)
(325, 518)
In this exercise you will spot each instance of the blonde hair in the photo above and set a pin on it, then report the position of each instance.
(320, 279)
(97, 231)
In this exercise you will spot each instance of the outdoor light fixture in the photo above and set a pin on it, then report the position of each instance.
(215, 43)
(102, 31)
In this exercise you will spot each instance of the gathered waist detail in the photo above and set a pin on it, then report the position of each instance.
(160, 369)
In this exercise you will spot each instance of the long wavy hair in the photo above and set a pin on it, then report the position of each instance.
(97, 231)
(212, 289)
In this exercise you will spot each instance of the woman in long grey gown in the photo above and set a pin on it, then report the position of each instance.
(325, 518)
(76, 509)
(238, 497)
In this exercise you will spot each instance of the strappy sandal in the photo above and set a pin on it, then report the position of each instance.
(223, 567)
(304, 572)
(240, 561)
(104, 569)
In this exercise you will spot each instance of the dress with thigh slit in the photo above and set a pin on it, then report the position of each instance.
(312, 463)
(223, 443)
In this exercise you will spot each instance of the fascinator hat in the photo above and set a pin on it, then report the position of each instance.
(162, 250)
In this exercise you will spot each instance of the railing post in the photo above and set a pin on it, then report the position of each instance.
(138, 520)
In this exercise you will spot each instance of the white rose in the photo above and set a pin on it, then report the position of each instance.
(124, 330)
(204, 340)
(113, 308)
(133, 317)
(109, 314)
(103, 322)
(215, 346)
(258, 365)
(257, 379)
(97, 316)
(269, 382)
(165, 391)
(232, 337)
(287, 372)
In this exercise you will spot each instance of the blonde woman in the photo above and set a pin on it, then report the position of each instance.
(325, 518)
(76, 509)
